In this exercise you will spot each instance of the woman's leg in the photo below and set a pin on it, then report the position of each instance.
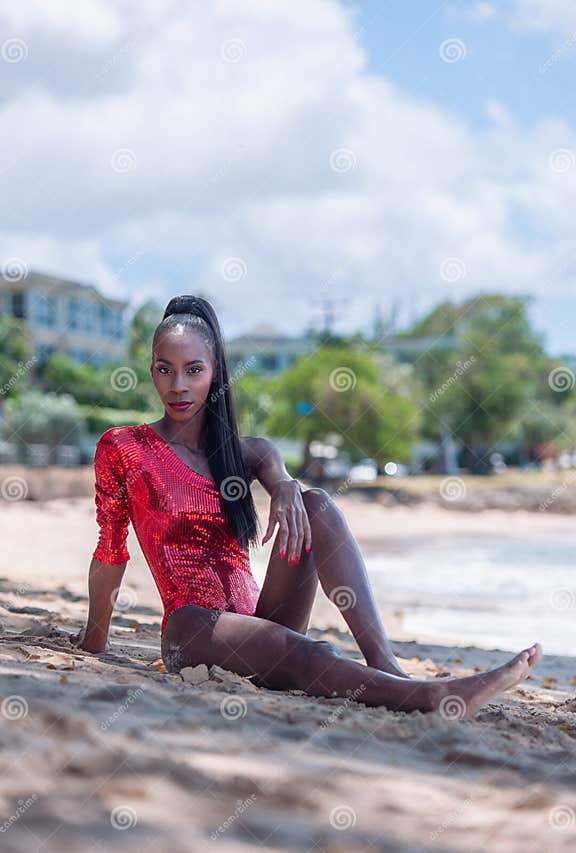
(283, 659)
(287, 594)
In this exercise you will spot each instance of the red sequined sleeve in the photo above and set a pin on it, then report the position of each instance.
(111, 504)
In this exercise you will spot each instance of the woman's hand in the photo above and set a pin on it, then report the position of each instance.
(287, 508)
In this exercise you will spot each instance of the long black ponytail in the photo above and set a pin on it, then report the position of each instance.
(220, 439)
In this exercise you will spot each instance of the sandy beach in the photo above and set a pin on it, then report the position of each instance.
(110, 752)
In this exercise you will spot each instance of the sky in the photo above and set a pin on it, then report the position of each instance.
(272, 155)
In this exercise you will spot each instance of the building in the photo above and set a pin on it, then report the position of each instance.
(266, 349)
(66, 317)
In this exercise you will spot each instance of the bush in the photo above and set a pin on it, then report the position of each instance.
(35, 417)
(98, 419)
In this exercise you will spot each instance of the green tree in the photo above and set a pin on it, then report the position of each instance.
(480, 388)
(16, 359)
(142, 327)
(342, 389)
(253, 398)
(115, 385)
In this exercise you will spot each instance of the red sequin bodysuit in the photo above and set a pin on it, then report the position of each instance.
(177, 516)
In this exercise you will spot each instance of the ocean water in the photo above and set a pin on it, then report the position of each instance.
(490, 591)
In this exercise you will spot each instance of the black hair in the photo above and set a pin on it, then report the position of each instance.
(220, 439)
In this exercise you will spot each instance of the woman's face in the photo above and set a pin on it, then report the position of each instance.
(182, 370)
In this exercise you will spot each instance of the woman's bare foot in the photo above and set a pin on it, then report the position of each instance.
(391, 666)
(457, 698)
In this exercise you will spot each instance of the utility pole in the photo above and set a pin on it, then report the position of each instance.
(329, 311)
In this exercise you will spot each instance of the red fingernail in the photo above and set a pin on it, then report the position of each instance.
(297, 560)
(282, 554)
(309, 548)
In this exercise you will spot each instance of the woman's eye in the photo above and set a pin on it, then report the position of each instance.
(195, 369)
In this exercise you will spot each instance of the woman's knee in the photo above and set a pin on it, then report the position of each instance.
(186, 636)
(318, 502)
(320, 655)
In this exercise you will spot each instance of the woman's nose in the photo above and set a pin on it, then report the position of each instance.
(179, 383)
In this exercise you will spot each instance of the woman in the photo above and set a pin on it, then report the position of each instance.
(183, 481)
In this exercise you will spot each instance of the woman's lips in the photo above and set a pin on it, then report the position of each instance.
(180, 405)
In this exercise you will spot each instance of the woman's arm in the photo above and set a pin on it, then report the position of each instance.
(265, 462)
(286, 504)
(103, 584)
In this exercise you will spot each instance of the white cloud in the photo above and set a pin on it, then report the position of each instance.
(476, 12)
(543, 15)
(523, 16)
(230, 113)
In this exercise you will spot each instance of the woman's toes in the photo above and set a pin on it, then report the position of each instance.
(535, 654)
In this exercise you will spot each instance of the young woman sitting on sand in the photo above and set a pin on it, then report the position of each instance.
(183, 482)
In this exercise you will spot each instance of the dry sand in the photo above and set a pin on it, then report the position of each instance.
(103, 752)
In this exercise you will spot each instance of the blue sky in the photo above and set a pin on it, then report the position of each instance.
(402, 41)
(271, 154)
(529, 69)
